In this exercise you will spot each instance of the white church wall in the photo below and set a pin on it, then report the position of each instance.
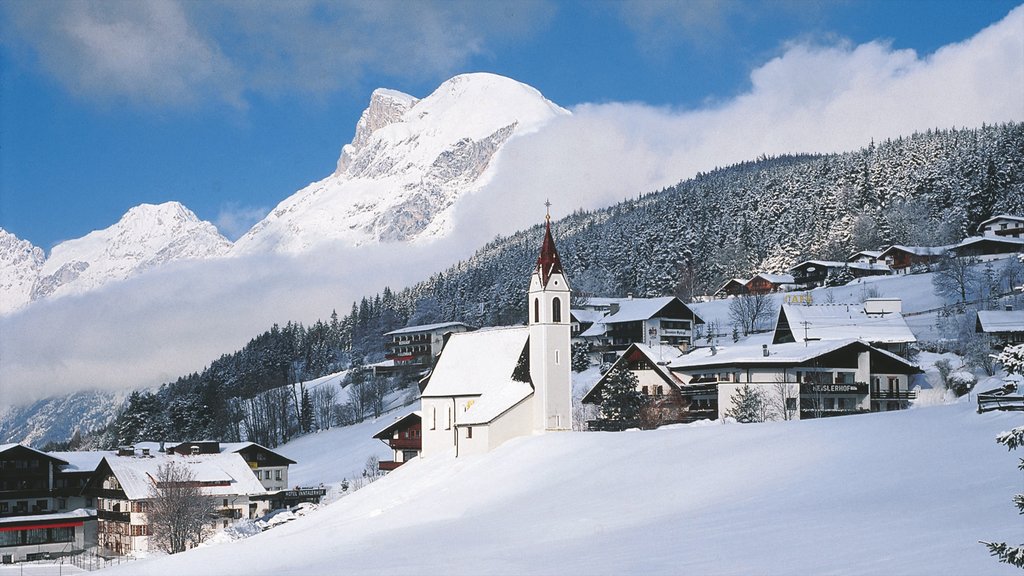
(516, 422)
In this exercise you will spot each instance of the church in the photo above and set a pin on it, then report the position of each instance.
(495, 384)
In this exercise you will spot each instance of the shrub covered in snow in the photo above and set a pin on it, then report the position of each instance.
(961, 382)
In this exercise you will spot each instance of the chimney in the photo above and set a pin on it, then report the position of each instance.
(145, 452)
(162, 446)
(1009, 307)
(194, 450)
(764, 350)
(629, 296)
(126, 450)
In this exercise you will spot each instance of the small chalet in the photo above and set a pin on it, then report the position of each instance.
(983, 246)
(764, 283)
(42, 510)
(802, 380)
(734, 287)
(879, 322)
(865, 257)
(415, 347)
(815, 273)
(1003, 226)
(495, 384)
(404, 436)
(903, 259)
(1006, 326)
(665, 320)
(125, 483)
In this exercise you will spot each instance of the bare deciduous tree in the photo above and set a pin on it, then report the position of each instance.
(750, 310)
(179, 513)
(783, 399)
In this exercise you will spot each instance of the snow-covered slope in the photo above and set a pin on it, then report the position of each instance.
(906, 492)
(146, 237)
(20, 263)
(409, 163)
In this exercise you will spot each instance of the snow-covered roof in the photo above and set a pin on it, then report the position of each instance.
(6, 447)
(137, 474)
(1001, 320)
(775, 278)
(917, 250)
(630, 310)
(425, 328)
(981, 239)
(784, 354)
(845, 321)
(398, 421)
(76, 514)
(588, 315)
(495, 403)
(1010, 217)
(80, 461)
(475, 363)
(869, 253)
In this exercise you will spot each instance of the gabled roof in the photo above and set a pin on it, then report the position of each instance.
(39, 453)
(587, 315)
(1001, 217)
(425, 328)
(137, 474)
(548, 262)
(634, 310)
(1001, 320)
(917, 250)
(869, 253)
(791, 354)
(80, 461)
(658, 356)
(399, 423)
(475, 363)
(1015, 243)
(839, 322)
(239, 447)
(495, 403)
(774, 278)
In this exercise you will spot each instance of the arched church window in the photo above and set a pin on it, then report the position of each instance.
(556, 310)
(536, 310)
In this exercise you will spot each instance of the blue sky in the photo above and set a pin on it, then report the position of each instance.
(231, 107)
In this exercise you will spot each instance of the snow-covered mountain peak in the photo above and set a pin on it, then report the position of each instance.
(20, 263)
(408, 164)
(145, 237)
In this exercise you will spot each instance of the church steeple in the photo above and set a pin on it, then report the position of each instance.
(548, 262)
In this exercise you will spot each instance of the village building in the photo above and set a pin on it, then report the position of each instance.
(1003, 226)
(269, 467)
(987, 248)
(492, 385)
(804, 380)
(405, 437)
(1005, 326)
(664, 320)
(42, 511)
(909, 259)
(415, 347)
(764, 283)
(816, 273)
(733, 287)
(865, 257)
(125, 484)
(879, 322)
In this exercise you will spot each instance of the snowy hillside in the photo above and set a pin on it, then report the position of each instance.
(20, 263)
(891, 493)
(57, 419)
(407, 166)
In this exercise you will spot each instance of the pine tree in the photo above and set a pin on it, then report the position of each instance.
(580, 356)
(748, 405)
(1013, 555)
(306, 420)
(620, 400)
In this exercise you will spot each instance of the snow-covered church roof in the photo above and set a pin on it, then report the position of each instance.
(477, 363)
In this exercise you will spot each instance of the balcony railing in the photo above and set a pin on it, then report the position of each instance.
(114, 516)
(406, 443)
(893, 394)
(388, 465)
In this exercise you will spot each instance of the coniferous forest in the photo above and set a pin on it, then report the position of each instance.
(766, 215)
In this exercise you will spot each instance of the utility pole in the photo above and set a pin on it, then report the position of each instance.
(806, 324)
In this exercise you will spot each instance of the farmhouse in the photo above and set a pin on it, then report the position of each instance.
(405, 437)
(495, 384)
(125, 484)
(665, 320)
(987, 247)
(799, 380)
(815, 273)
(733, 287)
(764, 283)
(1003, 226)
(1006, 326)
(904, 259)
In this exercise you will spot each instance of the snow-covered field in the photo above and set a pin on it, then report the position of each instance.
(891, 493)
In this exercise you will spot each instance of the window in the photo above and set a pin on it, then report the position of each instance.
(448, 426)
(277, 474)
(790, 403)
(557, 358)
(259, 475)
(556, 310)
(433, 418)
(469, 432)
(659, 391)
(644, 389)
(536, 310)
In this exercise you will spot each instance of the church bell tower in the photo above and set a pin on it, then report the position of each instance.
(550, 335)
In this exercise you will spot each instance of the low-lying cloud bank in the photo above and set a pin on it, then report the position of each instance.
(812, 98)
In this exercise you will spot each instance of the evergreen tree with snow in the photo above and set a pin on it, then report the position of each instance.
(1013, 555)
(748, 405)
(620, 400)
(580, 356)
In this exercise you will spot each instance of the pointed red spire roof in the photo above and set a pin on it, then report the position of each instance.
(548, 262)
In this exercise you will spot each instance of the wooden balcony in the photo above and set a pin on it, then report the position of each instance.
(388, 465)
(406, 443)
(114, 516)
(893, 394)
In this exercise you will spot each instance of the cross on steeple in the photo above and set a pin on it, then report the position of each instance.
(547, 205)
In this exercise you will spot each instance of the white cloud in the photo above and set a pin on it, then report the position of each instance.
(168, 52)
(812, 98)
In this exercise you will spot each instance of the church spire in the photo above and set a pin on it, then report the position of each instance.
(548, 262)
